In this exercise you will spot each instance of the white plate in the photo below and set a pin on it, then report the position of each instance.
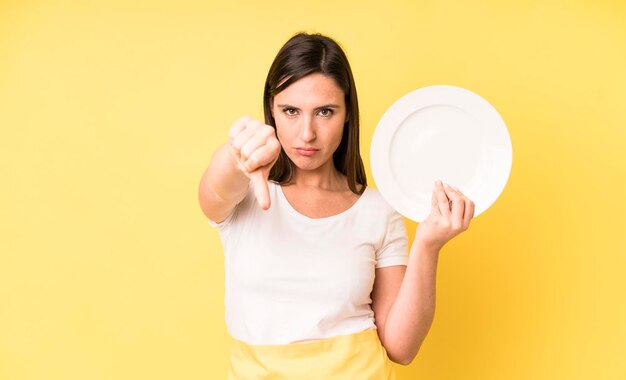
(440, 132)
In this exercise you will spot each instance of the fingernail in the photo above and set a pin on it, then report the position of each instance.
(438, 183)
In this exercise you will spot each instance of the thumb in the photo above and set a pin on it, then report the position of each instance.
(261, 190)
(434, 203)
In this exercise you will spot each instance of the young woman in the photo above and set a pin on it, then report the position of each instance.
(319, 283)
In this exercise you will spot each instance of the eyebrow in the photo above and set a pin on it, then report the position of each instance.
(317, 108)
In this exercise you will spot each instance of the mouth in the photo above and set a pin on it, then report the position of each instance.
(307, 151)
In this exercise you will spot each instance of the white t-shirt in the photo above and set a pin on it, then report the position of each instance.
(291, 278)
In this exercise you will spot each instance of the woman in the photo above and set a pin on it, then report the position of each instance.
(319, 283)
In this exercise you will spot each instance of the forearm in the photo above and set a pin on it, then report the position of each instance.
(411, 315)
(222, 185)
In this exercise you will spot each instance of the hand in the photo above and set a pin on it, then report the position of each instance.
(255, 148)
(450, 215)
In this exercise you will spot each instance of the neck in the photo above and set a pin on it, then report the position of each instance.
(326, 177)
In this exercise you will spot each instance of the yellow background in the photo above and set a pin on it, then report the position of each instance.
(109, 114)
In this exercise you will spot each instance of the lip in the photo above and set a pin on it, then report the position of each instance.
(307, 151)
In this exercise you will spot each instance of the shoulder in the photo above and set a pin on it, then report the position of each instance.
(374, 199)
(375, 209)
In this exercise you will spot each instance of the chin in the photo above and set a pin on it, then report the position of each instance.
(306, 164)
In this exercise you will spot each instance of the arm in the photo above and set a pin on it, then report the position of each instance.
(248, 156)
(222, 186)
(404, 303)
(403, 300)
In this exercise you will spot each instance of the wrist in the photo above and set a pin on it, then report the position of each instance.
(428, 248)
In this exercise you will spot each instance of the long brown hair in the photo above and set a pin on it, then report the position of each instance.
(305, 54)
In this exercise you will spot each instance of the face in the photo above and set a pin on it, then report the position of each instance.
(310, 116)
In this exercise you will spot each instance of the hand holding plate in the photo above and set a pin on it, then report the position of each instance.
(451, 213)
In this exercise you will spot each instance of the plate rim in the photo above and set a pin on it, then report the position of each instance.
(429, 96)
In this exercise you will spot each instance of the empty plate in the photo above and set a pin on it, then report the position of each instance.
(440, 132)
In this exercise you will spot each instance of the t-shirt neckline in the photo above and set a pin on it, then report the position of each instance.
(301, 216)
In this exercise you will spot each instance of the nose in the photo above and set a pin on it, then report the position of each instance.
(308, 129)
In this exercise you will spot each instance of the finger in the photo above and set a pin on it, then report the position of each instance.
(242, 138)
(469, 208)
(442, 200)
(255, 142)
(234, 152)
(469, 213)
(237, 127)
(265, 155)
(434, 206)
(261, 189)
(458, 206)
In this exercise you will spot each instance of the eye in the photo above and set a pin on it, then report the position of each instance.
(289, 111)
(326, 111)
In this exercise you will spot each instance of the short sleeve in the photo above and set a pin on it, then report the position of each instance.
(221, 226)
(394, 247)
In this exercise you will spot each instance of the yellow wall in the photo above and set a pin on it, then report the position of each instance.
(109, 113)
